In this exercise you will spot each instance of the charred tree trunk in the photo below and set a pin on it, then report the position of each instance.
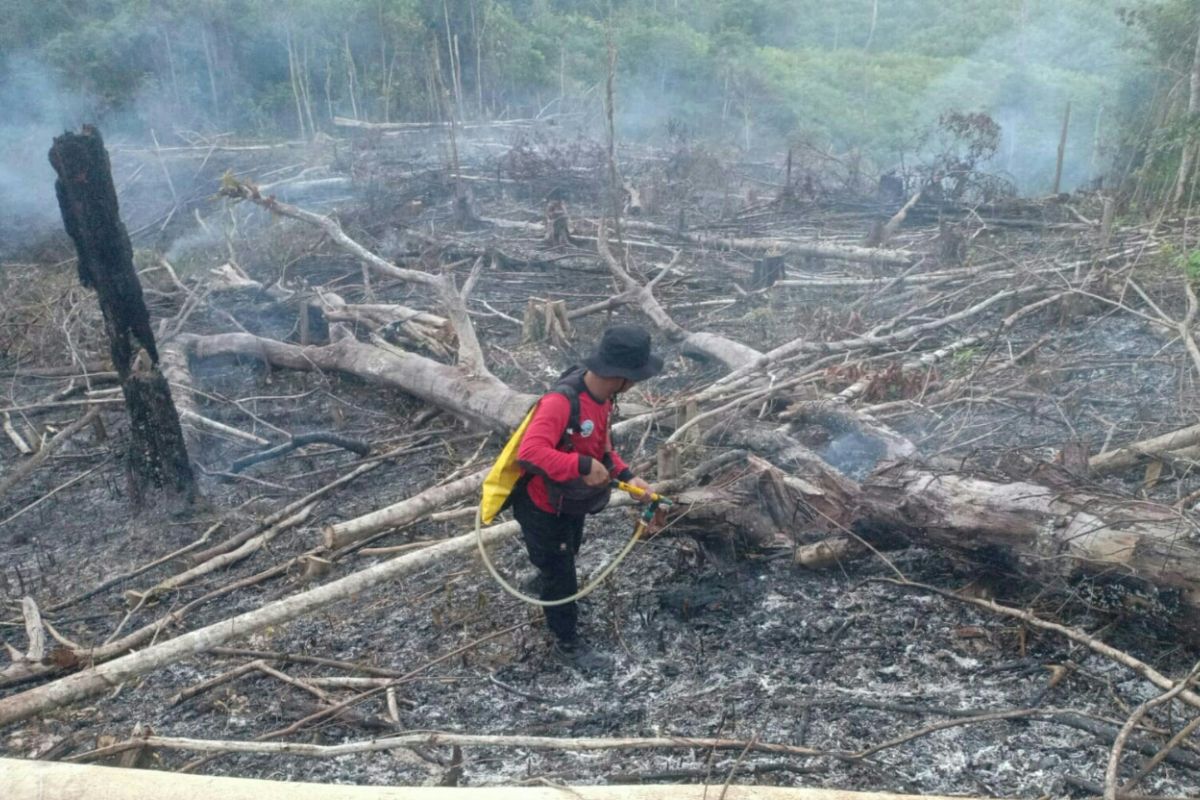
(157, 456)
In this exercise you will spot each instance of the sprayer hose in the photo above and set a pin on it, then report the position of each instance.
(584, 592)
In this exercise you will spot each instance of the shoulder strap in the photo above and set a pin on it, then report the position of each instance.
(569, 385)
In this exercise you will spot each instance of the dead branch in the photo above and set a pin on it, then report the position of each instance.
(1130, 454)
(355, 446)
(470, 354)
(1108, 651)
(1111, 773)
(102, 676)
(25, 468)
(841, 252)
(398, 514)
(732, 354)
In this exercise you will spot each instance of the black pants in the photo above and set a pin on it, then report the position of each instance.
(553, 541)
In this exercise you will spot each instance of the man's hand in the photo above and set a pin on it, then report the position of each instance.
(638, 483)
(598, 476)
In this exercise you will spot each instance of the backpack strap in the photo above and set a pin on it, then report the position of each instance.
(569, 385)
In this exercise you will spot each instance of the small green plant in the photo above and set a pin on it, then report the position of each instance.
(1189, 262)
(965, 356)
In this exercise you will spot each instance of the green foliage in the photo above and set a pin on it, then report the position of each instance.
(1189, 262)
(737, 72)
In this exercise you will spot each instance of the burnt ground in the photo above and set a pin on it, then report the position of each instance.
(705, 644)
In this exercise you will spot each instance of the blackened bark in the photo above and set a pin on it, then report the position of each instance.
(157, 456)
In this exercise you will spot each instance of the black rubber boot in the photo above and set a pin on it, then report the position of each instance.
(532, 584)
(582, 656)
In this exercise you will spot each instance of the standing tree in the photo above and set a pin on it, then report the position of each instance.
(157, 456)
(1187, 157)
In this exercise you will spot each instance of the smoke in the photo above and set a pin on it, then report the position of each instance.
(36, 110)
(1025, 79)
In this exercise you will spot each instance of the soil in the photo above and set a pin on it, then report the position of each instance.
(704, 643)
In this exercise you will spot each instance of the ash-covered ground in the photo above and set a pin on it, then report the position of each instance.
(705, 643)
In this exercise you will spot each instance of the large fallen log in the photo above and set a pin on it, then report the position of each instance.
(1147, 554)
(1150, 551)
(482, 399)
(46, 780)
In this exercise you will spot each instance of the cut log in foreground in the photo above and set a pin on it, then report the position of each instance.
(43, 780)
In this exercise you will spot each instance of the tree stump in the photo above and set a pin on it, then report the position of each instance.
(558, 221)
(157, 455)
(767, 270)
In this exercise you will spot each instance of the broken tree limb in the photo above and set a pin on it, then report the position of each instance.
(33, 630)
(1074, 634)
(1131, 454)
(215, 563)
(424, 329)
(706, 345)
(25, 468)
(246, 533)
(18, 441)
(409, 510)
(893, 224)
(865, 342)
(842, 252)
(27, 663)
(470, 353)
(42, 780)
(355, 446)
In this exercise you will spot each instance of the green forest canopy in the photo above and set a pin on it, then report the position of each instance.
(869, 76)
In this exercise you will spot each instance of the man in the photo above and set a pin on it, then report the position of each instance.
(569, 471)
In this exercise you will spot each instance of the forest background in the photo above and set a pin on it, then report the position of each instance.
(859, 80)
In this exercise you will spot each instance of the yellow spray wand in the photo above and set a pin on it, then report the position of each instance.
(656, 501)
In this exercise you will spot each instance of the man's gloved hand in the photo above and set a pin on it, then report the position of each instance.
(638, 483)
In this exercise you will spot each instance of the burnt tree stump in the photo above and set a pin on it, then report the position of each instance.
(767, 270)
(157, 455)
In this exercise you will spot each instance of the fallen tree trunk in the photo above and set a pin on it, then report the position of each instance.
(43, 780)
(483, 400)
(1151, 550)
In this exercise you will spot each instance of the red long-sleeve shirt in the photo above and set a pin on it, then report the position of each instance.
(539, 452)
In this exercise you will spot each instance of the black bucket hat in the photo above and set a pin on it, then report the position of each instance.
(624, 352)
